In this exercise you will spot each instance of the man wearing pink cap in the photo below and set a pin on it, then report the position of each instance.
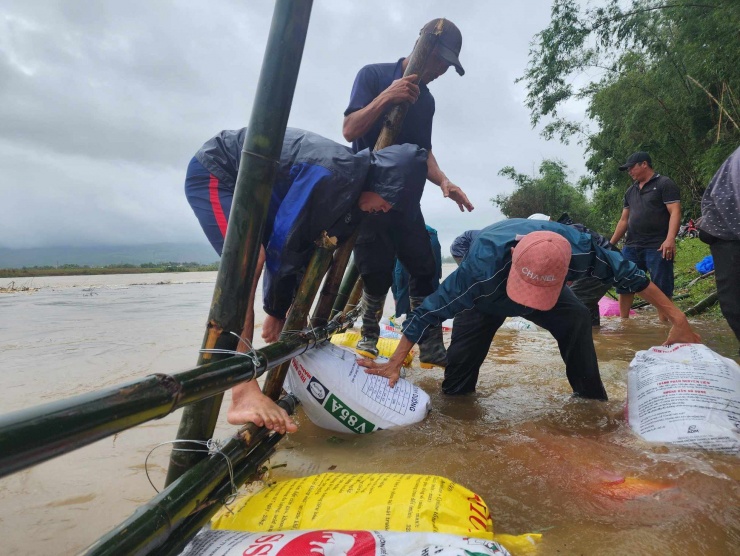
(519, 268)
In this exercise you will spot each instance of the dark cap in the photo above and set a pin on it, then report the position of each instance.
(636, 158)
(449, 42)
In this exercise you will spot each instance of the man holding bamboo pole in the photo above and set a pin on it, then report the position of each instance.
(377, 90)
(321, 186)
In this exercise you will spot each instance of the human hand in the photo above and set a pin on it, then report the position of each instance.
(668, 248)
(389, 370)
(403, 90)
(682, 333)
(271, 329)
(452, 191)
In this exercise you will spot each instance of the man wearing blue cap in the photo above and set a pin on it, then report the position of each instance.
(651, 217)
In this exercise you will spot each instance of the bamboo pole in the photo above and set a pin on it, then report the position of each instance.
(298, 314)
(37, 434)
(168, 522)
(257, 170)
(353, 301)
(333, 282)
(197, 493)
(393, 122)
(703, 305)
(351, 276)
(417, 64)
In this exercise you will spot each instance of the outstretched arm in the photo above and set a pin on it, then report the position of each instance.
(681, 331)
(449, 189)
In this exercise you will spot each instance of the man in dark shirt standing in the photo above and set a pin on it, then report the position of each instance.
(651, 217)
(383, 237)
(720, 228)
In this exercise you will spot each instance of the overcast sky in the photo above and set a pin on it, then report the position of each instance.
(103, 104)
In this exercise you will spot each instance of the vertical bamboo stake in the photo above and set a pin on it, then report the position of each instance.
(257, 171)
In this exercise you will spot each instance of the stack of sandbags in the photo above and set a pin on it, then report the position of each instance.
(425, 510)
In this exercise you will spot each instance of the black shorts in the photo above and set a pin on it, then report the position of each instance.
(387, 236)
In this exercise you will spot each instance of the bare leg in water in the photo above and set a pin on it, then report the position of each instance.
(625, 304)
(248, 403)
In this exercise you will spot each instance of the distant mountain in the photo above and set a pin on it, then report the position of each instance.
(104, 255)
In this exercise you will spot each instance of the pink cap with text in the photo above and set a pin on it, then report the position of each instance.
(539, 265)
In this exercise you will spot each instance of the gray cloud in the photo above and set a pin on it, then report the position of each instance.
(103, 104)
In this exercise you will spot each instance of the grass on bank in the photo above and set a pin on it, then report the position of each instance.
(690, 251)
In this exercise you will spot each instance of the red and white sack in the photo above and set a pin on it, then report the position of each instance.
(338, 543)
(337, 394)
(685, 394)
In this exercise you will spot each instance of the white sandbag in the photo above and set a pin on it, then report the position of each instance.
(338, 543)
(685, 394)
(519, 323)
(337, 394)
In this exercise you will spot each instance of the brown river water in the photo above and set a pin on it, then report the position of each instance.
(539, 458)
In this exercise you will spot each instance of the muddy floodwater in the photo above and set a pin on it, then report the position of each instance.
(541, 460)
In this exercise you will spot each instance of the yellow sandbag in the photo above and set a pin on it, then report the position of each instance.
(375, 501)
(519, 545)
(386, 346)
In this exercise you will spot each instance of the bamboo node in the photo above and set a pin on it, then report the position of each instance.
(326, 241)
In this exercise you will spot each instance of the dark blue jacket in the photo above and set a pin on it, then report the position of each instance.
(480, 280)
(316, 189)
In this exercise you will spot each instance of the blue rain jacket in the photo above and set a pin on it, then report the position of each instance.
(480, 280)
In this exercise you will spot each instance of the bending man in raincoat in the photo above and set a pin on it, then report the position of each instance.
(519, 268)
(320, 186)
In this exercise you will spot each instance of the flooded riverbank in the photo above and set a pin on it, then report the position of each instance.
(543, 461)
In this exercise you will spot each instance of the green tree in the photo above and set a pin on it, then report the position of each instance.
(549, 193)
(657, 76)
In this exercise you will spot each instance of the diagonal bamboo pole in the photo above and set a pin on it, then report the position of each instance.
(351, 276)
(417, 64)
(257, 171)
(332, 284)
(197, 493)
(355, 296)
(298, 315)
